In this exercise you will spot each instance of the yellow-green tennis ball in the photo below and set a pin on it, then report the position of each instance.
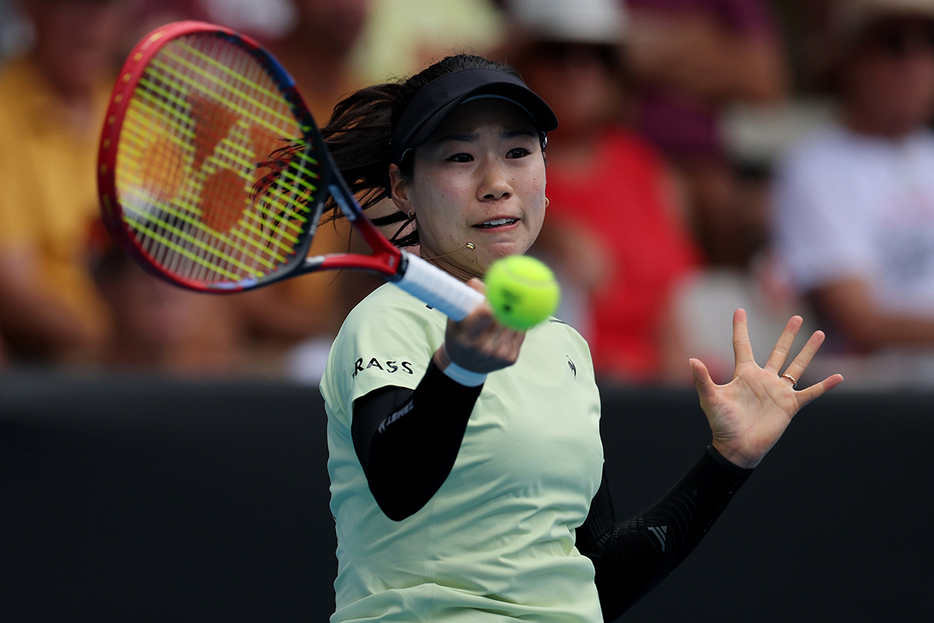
(522, 291)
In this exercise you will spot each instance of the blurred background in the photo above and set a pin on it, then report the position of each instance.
(769, 154)
(774, 155)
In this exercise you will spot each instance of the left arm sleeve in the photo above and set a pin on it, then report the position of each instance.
(633, 557)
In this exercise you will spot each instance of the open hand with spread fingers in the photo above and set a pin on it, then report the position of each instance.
(748, 415)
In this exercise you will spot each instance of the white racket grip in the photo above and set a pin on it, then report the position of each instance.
(437, 288)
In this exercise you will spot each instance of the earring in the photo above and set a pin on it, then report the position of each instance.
(547, 202)
(411, 213)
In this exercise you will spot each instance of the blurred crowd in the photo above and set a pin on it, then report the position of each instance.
(712, 154)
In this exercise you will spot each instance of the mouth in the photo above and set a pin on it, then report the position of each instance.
(494, 223)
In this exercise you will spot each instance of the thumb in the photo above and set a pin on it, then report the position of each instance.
(706, 388)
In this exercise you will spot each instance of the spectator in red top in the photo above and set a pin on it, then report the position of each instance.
(691, 58)
(614, 228)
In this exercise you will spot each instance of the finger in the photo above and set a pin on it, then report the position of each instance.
(499, 343)
(800, 363)
(478, 321)
(512, 344)
(783, 345)
(518, 337)
(499, 334)
(818, 389)
(742, 349)
(477, 284)
(706, 388)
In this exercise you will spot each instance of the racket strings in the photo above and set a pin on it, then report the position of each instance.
(203, 116)
(288, 169)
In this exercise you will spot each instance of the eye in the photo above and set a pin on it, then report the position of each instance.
(518, 152)
(460, 157)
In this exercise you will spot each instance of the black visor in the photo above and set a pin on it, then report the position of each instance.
(436, 100)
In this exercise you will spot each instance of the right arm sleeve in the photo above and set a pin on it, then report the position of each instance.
(407, 440)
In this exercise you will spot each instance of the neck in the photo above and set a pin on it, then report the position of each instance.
(445, 263)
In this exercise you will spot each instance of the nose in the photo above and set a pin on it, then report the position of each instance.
(495, 182)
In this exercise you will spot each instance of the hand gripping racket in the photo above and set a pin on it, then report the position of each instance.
(196, 108)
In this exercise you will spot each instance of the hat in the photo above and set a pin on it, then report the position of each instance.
(848, 18)
(438, 99)
(579, 21)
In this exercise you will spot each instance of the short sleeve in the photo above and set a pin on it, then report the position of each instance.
(387, 340)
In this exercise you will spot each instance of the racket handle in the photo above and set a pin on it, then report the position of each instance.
(437, 288)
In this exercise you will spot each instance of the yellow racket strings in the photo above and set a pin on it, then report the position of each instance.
(203, 116)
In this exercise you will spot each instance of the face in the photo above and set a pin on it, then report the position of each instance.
(580, 82)
(77, 40)
(338, 22)
(890, 79)
(480, 180)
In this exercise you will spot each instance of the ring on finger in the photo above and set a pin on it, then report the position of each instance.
(794, 381)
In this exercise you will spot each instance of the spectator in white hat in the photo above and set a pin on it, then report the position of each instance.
(854, 205)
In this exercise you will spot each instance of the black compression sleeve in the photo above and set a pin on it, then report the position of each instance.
(634, 556)
(407, 440)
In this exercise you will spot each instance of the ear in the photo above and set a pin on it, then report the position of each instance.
(399, 190)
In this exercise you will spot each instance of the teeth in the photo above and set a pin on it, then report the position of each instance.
(498, 222)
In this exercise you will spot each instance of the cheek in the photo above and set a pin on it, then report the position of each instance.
(537, 192)
(436, 217)
(436, 188)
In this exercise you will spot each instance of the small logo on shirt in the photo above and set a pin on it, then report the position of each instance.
(572, 366)
(386, 366)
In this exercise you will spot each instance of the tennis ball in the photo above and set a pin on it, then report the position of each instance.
(522, 291)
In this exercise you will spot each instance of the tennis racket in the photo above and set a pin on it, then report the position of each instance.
(196, 108)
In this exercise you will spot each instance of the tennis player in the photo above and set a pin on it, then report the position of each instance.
(465, 458)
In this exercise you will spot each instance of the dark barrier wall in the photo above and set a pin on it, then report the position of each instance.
(139, 501)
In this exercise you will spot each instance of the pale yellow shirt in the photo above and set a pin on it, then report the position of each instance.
(496, 542)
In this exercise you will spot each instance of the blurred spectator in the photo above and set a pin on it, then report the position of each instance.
(150, 14)
(854, 204)
(402, 36)
(158, 327)
(14, 32)
(51, 310)
(692, 58)
(317, 50)
(614, 229)
(260, 18)
(51, 105)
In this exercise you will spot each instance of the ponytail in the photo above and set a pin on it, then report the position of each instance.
(358, 135)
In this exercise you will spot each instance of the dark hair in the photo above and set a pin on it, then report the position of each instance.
(359, 131)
